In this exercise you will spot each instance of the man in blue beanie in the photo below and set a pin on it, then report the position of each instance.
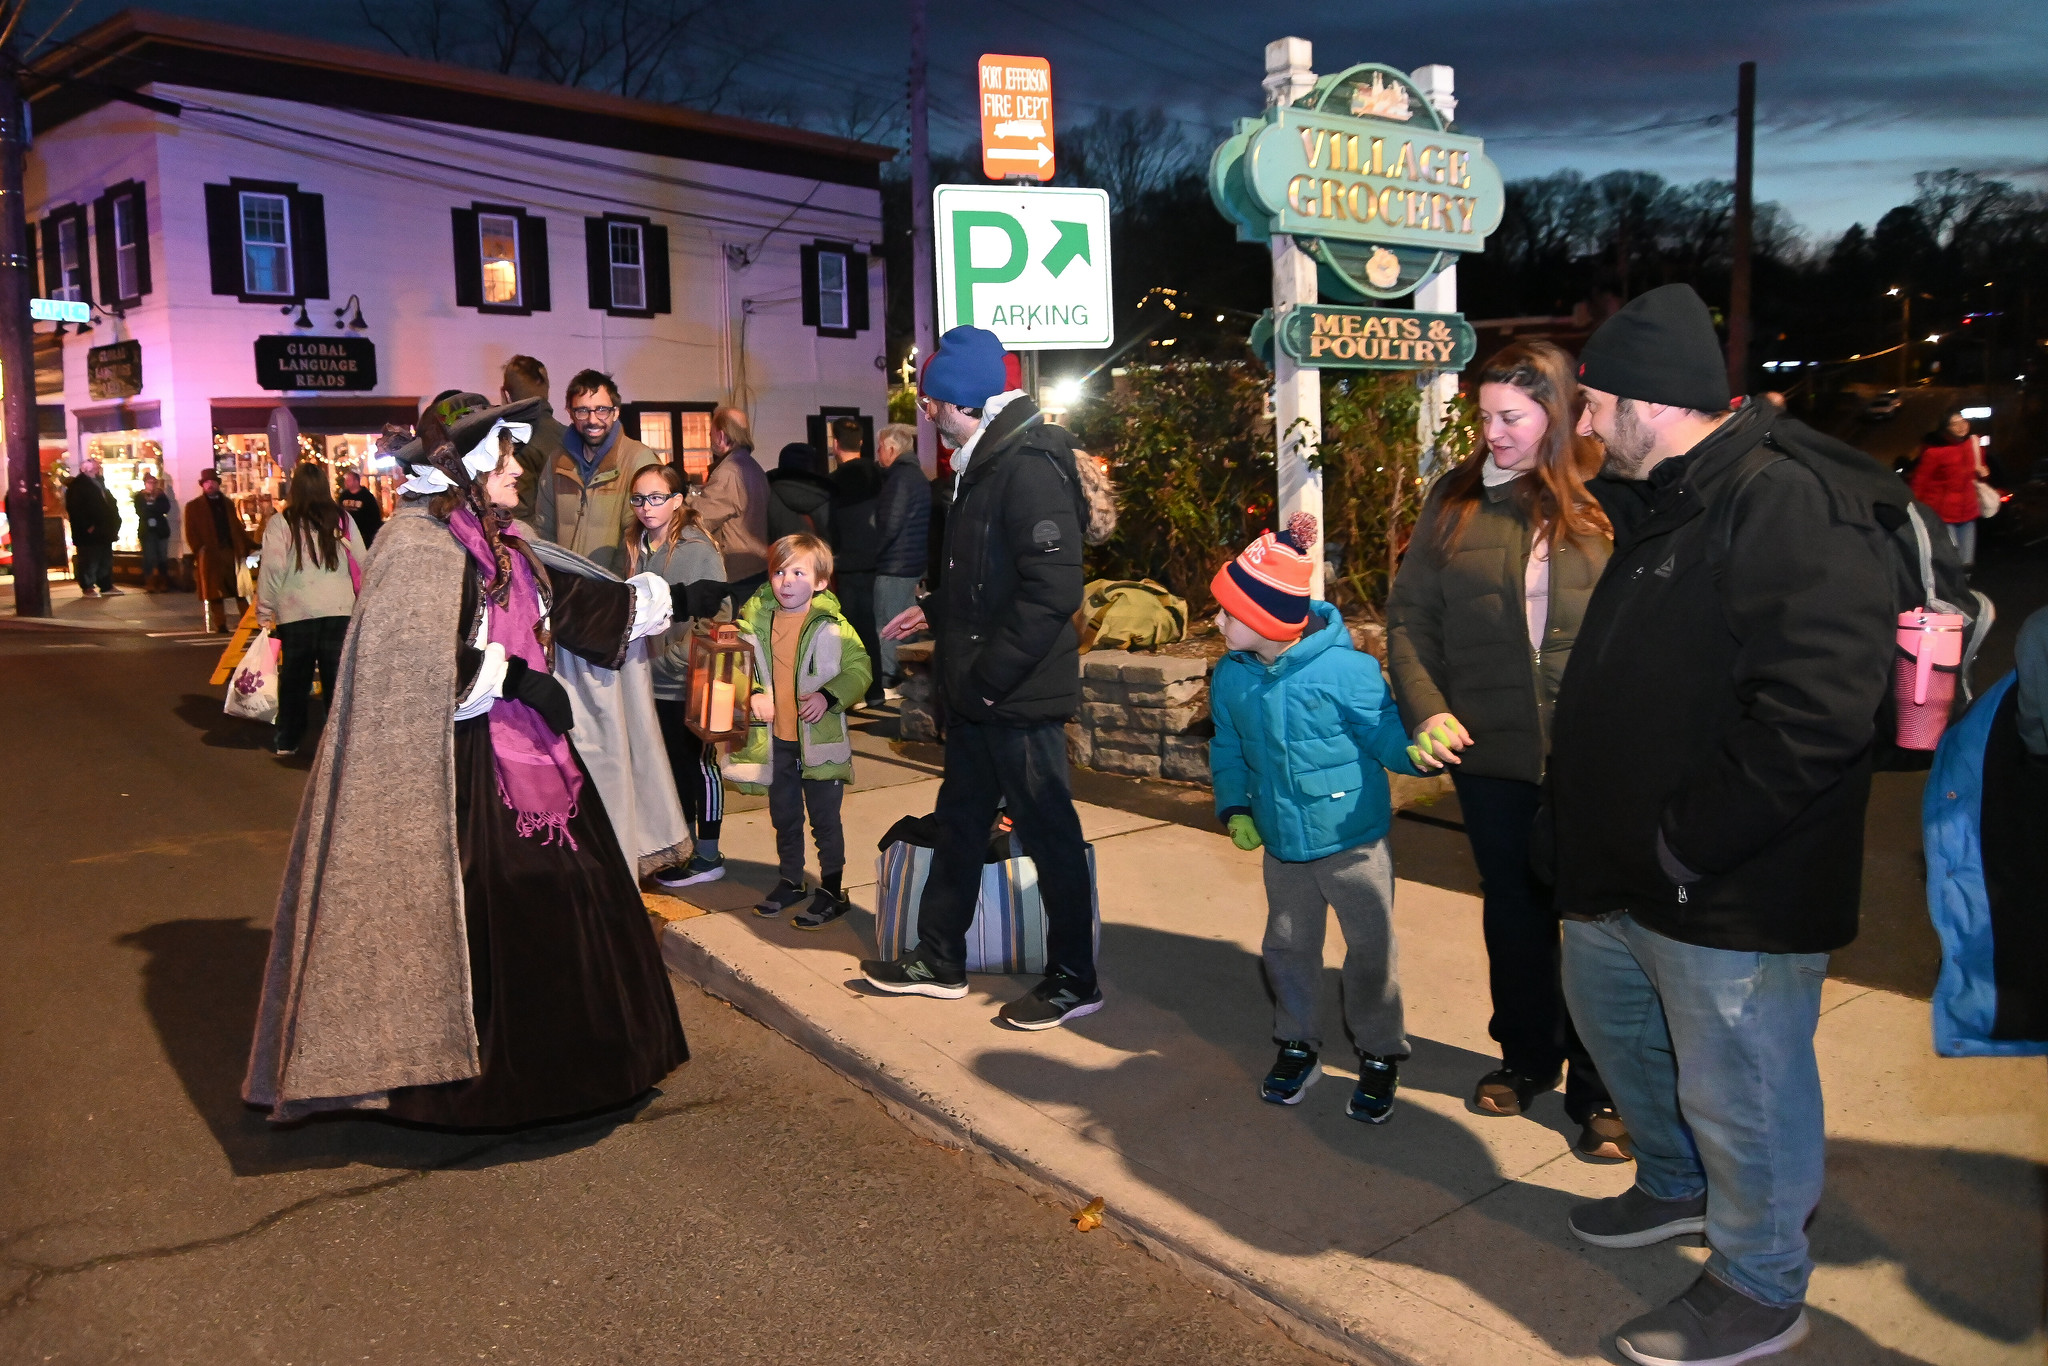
(1009, 666)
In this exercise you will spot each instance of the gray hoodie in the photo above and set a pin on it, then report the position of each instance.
(691, 559)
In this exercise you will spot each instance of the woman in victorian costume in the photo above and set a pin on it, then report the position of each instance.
(459, 939)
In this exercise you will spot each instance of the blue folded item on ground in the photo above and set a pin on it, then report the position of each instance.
(1008, 933)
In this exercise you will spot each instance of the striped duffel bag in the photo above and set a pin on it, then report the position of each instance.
(1008, 933)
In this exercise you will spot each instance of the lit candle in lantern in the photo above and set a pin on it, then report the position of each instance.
(721, 705)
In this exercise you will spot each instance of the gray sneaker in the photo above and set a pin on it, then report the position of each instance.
(1712, 1324)
(1636, 1218)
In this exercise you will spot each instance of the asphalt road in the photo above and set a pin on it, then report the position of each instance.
(757, 1209)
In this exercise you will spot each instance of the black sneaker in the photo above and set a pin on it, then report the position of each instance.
(1712, 1324)
(1635, 1218)
(912, 975)
(1056, 1000)
(823, 910)
(698, 869)
(785, 895)
(1294, 1071)
(1505, 1091)
(1373, 1099)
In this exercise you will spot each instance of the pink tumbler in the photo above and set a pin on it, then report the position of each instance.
(1924, 674)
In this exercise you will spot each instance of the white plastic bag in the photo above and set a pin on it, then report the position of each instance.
(252, 687)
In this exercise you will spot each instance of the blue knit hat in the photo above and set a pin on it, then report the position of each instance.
(967, 369)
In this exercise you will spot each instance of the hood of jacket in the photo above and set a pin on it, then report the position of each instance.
(800, 489)
(1324, 631)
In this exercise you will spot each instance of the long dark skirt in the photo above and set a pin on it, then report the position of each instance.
(573, 1008)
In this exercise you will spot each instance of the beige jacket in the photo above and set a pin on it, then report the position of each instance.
(592, 520)
(733, 508)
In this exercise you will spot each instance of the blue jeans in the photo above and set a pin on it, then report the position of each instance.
(1709, 1056)
(156, 556)
(893, 596)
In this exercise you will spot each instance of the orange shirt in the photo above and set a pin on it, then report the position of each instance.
(784, 637)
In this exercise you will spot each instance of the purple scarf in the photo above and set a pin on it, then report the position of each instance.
(537, 774)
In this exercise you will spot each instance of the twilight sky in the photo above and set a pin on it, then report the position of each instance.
(1854, 96)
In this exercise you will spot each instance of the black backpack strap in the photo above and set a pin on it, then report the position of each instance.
(1723, 511)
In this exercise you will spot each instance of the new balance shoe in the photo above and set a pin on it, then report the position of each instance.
(1294, 1071)
(1635, 1218)
(823, 910)
(912, 975)
(1372, 1100)
(785, 895)
(697, 869)
(1712, 1324)
(1054, 1001)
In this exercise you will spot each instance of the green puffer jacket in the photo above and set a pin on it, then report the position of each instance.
(831, 660)
(1458, 633)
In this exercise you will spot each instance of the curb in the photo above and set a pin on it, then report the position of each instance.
(937, 1098)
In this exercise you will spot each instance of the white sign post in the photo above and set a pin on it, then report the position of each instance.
(1030, 265)
(1297, 391)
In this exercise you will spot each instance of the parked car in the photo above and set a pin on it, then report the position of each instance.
(1885, 405)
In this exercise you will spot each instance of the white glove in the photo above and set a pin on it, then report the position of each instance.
(653, 612)
(490, 677)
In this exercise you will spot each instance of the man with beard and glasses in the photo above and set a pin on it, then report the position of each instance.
(1710, 765)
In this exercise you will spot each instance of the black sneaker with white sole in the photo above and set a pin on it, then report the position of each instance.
(1712, 1324)
(1054, 1001)
(1372, 1100)
(1635, 1218)
(913, 975)
(785, 895)
(1294, 1071)
(823, 910)
(698, 869)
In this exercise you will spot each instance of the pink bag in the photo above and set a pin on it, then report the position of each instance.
(1924, 674)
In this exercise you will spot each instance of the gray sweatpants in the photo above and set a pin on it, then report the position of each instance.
(1359, 884)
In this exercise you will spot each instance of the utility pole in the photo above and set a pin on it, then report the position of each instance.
(1745, 214)
(922, 326)
(17, 358)
(1297, 393)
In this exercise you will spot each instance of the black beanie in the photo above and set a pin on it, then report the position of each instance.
(1660, 348)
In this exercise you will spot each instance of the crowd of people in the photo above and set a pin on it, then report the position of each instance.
(1647, 638)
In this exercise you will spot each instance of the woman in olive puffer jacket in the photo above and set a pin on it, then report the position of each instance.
(1479, 626)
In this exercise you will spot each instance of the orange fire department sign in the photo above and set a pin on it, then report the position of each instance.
(1016, 117)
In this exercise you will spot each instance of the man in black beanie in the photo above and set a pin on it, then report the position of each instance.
(1709, 772)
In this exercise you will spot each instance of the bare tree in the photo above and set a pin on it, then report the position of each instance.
(1128, 152)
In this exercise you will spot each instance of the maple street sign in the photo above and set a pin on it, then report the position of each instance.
(1016, 117)
(1029, 264)
(1336, 336)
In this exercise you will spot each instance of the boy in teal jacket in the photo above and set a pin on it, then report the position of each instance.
(1305, 734)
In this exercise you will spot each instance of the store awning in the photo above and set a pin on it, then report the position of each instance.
(327, 416)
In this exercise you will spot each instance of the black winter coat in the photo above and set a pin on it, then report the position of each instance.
(903, 519)
(153, 515)
(856, 492)
(94, 515)
(1723, 696)
(1004, 610)
(799, 501)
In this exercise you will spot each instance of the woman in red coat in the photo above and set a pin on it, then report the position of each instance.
(1951, 463)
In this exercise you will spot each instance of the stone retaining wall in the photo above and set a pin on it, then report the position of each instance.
(1143, 715)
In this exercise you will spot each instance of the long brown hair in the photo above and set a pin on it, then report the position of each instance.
(1555, 500)
(313, 515)
(643, 543)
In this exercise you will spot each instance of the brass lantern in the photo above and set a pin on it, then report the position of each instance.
(721, 683)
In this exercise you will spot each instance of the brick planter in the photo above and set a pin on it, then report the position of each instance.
(1143, 715)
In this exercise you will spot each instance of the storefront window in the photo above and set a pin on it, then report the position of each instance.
(680, 433)
(124, 458)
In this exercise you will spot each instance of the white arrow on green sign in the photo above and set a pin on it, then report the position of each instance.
(1029, 264)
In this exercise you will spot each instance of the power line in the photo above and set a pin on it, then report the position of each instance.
(1708, 122)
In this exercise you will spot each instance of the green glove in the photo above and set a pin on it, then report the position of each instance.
(1243, 833)
(1423, 754)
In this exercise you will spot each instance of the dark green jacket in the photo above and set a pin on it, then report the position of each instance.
(1458, 633)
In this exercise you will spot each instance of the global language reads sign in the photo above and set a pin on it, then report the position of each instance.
(114, 370)
(316, 363)
(1028, 264)
(1016, 117)
(1335, 336)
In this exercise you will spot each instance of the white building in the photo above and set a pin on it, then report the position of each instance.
(270, 192)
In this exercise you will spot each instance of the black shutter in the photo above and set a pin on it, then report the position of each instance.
(103, 240)
(469, 260)
(597, 259)
(857, 290)
(654, 251)
(533, 263)
(309, 245)
(53, 274)
(142, 280)
(223, 238)
(809, 257)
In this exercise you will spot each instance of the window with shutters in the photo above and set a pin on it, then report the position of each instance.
(629, 268)
(501, 259)
(835, 288)
(128, 246)
(678, 432)
(71, 280)
(266, 244)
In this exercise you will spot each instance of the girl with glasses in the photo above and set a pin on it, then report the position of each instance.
(669, 544)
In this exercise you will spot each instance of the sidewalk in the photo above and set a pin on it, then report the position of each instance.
(1439, 1238)
(132, 610)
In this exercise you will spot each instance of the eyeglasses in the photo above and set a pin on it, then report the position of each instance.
(641, 500)
(585, 414)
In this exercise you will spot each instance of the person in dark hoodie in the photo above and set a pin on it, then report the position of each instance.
(799, 494)
(1710, 765)
(856, 541)
(1008, 661)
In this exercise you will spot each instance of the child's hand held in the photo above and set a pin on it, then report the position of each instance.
(763, 707)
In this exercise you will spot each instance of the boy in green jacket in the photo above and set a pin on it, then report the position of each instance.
(809, 668)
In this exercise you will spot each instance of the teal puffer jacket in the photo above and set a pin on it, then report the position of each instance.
(1304, 744)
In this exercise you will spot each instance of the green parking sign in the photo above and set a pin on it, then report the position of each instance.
(1030, 265)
